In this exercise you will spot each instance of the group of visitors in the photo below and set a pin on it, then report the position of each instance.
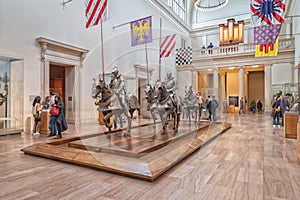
(212, 105)
(209, 48)
(256, 106)
(279, 105)
(55, 105)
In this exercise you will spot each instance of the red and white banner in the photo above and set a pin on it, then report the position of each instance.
(167, 45)
(94, 11)
(266, 12)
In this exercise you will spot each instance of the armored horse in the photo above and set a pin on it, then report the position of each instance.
(160, 101)
(108, 103)
(190, 103)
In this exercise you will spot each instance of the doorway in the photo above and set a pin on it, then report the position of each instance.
(61, 82)
(57, 80)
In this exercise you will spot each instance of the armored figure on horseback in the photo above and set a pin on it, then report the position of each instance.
(112, 100)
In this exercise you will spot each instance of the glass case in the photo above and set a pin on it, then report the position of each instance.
(290, 91)
(11, 94)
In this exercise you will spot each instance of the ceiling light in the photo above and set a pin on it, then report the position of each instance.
(209, 5)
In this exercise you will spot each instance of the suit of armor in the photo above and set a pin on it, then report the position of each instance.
(117, 84)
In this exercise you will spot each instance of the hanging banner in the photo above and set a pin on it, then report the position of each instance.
(141, 31)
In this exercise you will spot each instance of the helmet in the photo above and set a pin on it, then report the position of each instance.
(115, 71)
(169, 74)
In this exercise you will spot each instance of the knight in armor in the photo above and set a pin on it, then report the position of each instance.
(170, 83)
(117, 84)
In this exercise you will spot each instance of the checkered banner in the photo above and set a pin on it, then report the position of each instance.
(184, 56)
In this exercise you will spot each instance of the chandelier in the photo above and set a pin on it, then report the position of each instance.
(209, 5)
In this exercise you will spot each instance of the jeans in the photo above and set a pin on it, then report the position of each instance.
(52, 124)
(282, 116)
(276, 118)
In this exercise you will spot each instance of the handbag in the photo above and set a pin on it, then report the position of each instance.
(54, 110)
(37, 119)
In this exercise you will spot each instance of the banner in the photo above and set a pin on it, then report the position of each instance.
(266, 49)
(267, 16)
(94, 11)
(141, 31)
(265, 12)
(184, 56)
(167, 45)
(266, 34)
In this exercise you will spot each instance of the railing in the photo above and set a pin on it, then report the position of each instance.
(238, 48)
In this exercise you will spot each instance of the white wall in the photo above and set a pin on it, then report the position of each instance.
(282, 73)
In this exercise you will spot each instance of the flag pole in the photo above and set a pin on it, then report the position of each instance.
(102, 46)
(160, 33)
(147, 63)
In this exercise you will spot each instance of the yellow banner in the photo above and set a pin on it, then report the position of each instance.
(267, 49)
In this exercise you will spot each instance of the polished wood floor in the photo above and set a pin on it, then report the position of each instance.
(252, 160)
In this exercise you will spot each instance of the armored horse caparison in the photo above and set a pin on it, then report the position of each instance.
(108, 103)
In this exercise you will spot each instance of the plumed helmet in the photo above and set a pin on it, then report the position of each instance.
(115, 71)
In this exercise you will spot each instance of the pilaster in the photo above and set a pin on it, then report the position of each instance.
(268, 84)
(241, 82)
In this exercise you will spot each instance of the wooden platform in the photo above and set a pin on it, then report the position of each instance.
(10, 131)
(146, 154)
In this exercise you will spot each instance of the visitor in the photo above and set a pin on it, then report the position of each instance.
(253, 106)
(242, 106)
(276, 110)
(209, 47)
(225, 104)
(36, 111)
(259, 106)
(203, 49)
(208, 107)
(214, 106)
(61, 123)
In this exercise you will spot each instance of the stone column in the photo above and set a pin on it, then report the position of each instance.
(194, 81)
(223, 87)
(268, 85)
(241, 82)
(44, 72)
(216, 83)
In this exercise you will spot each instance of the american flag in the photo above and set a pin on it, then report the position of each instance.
(167, 45)
(94, 11)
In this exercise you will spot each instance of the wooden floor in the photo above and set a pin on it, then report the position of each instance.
(251, 160)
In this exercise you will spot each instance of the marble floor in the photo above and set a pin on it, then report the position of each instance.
(252, 160)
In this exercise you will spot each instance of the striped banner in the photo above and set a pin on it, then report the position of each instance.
(167, 45)
(94, 11)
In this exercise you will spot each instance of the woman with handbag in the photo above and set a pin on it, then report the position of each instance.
(276, 111)
(61, 123)
(36, 111)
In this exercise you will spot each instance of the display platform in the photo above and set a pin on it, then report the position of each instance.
(10, 131)
(146, 154)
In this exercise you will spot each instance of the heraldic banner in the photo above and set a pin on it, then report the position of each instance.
(267, 16)
(184, 56)
(141, 31)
